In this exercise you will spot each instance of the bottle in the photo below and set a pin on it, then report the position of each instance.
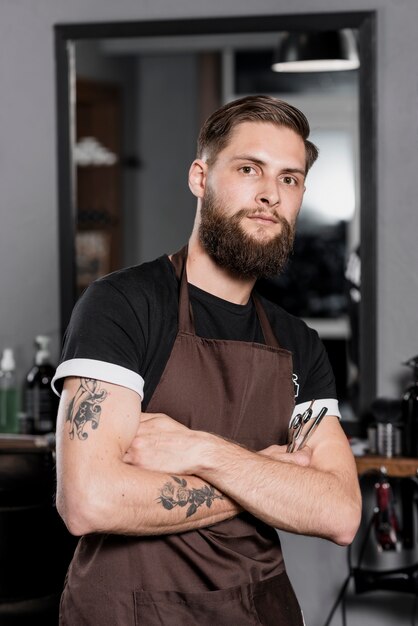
(41, 403)
(410, 412)
(9, 397)
(24, 424)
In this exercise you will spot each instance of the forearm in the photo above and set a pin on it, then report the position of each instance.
(163, 504)
(316, 496)
(134, 501)
(305, 500)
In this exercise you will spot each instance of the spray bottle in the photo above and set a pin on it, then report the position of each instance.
(9, 397)
(410, 412)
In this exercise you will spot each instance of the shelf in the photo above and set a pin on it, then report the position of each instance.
(330, 328)
(395, 466)
(30, 443)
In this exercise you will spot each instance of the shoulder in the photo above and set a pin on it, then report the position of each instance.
(150, 278)
(128, 302)
(138, 287)
(122, 315)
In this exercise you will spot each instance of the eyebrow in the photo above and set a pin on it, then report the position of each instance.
(248, 157)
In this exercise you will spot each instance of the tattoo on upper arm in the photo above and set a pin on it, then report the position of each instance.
(178, 494)
(85, 407)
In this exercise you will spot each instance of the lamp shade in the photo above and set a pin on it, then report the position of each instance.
(326, 51)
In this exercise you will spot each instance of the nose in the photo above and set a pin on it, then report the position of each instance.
(268, 194)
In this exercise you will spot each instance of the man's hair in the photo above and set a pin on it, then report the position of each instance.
(217, 129)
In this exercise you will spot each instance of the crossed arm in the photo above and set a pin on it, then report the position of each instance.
(120, 472)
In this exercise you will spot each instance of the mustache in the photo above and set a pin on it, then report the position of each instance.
(239, 215)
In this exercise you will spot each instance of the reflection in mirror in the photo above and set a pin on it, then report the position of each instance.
(140, 102)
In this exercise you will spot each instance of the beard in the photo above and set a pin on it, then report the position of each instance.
(224, 239)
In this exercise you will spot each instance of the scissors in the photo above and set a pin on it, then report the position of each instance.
(296, 426)
(294, 431)
(312, 427)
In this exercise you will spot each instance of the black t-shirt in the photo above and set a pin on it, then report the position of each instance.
(124, 325)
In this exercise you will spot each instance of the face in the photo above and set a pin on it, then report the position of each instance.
(251, 199)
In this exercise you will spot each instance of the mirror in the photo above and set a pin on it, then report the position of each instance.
(131, 98)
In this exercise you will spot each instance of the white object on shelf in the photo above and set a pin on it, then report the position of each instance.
(331, 328)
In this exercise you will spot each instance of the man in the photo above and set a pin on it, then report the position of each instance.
(177, 500)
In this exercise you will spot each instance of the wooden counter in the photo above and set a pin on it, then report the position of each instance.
(395, 466)
(28, 443)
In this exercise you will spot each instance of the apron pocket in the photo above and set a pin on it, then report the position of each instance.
(224, 607)
(275, 602)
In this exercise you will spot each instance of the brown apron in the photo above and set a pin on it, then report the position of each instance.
(231, 573)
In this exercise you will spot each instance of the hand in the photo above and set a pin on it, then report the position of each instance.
(164, 445)
(300, 457)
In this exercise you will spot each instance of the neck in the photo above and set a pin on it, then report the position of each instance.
(205, 273)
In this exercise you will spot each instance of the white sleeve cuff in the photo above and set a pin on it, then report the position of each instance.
(100, 370)
(330, 403)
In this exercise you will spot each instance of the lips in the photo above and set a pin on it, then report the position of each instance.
(263, 218)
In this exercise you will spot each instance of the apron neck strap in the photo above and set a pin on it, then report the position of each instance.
(186, 322)
(178, 259)
(269, 336)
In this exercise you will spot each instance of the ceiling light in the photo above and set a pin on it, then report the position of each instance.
(327, 51)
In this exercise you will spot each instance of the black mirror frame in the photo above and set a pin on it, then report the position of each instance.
(363, 21)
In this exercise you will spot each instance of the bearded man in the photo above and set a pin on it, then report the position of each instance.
(180, 485)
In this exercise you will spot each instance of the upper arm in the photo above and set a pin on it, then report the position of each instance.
(96, 412)
(96, 423)
(331, 452)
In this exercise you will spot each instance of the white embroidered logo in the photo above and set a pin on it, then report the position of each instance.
(296, 384)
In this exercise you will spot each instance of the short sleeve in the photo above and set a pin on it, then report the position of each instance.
(104, 339)
(319, 378)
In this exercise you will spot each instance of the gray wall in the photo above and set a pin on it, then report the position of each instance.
(28, 226)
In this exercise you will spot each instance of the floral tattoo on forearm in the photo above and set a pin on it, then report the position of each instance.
(85, 407)
(178, 494)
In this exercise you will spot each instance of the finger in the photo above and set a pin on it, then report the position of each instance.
(273, 451)
(303, 456)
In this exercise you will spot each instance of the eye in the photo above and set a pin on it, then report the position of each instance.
(289, 180)
(247, 169)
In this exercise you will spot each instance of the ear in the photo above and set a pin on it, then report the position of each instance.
(197, 177)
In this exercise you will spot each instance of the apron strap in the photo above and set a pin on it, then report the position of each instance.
(186, 322)
(178, 260)
(269, 336)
